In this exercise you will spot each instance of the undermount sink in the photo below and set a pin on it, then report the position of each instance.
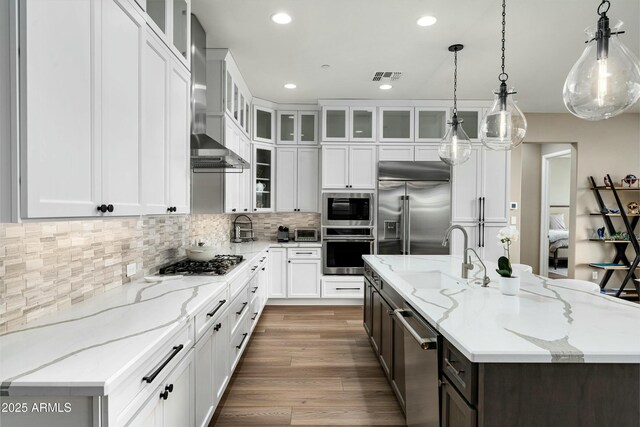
(430, 280)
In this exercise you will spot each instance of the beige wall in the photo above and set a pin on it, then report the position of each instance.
(530, 206)
(610, 146)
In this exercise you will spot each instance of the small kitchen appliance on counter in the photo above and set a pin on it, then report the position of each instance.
(218, 266)
(283, 234)
(306, 234)
(242, 229)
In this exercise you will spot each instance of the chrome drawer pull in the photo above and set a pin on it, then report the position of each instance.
(347, 289)
(152, 376)
(215, 310)
(304, 253)
(425, 343)
(450, 366)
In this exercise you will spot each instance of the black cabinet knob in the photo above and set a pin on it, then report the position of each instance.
(217, 327)
(110, 208)
(262, 268)
(233, 210)
(102, 208)
(169, 388)
(246, 210)
(164, 395)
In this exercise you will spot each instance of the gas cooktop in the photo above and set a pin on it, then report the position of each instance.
(218, 266)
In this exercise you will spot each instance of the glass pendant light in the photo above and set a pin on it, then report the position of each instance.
(455, 147)
(503, 126)
(605, 81)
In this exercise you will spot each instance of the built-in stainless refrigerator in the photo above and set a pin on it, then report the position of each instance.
(414, 207)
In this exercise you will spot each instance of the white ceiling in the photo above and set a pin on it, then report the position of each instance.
(359, 37)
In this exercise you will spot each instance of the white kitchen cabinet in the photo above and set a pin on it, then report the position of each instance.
(431, 124)
(303, 278)
(342, 286)
(456, 239)
(466, 188)
(427, 153)
(263, 124)
(170, 19)
(179, 138)
(362, 167)
(287, 127)
(264, 177)
(471, 122)
(177, 409)
(245, 193)
(492, 249)
(307, 127)
(363, 124)
(349, 166)
(297, 180)
(396, 124)
(278, 273)
(335, 124)
(396, 153)
(236, 183)
(495, 185)
(297, 127)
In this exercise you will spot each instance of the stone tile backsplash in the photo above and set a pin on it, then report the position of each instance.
(47, 266)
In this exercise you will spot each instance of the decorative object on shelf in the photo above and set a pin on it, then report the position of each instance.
(607, 183)
(455, 147)
(633, 208)
(503, 126)
(614, 211)
(509, 284)
(260, 187)
(600, 232)
(605, 81)
(630, 180)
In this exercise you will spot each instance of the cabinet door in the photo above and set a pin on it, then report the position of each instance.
(264, 178)
(376, 320)
(62, 152)
(368, 307)
(287, 126)
(495, 181)
(181, 26)
(303, 278)
(308, 127)
(491, 247)
(278, 277)
(396, 124)
(204, 389)
(466, 189)
(179, 129)
(386, 338)
(220, 361)
(232, 198)
(363, 124)
(396, 153)
(308, 180)
(151, 413)
(427, 154)
(286, 179)
(263, 124)
(244, 191)
(178, 409)
(398, 382)
(155, 102)
(157, 11)
(335, 124)
(471, 122)
(122, 35)
(431, 124)
(362, 167)
(335, 167)
(455, 411)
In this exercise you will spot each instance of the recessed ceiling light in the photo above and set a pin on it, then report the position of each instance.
(325, 66)
(281, 18)
(290, 86)
(385, 87)
(427, 21)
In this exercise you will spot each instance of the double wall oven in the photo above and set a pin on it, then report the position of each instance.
(347, 232)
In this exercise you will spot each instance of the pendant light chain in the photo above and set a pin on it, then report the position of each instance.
(503, 76)
(455, 83)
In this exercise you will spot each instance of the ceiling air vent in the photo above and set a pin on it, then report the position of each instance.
(386, 75)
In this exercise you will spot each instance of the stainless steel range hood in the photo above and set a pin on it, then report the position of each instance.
(206, 152)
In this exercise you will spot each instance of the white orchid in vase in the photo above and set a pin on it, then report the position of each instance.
(506, 236)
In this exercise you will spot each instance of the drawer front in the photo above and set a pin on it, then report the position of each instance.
(127, 398)
(254, 312)
(304, 253)
(211, 312)
(343, 288)
(239, 309)
(460, 371)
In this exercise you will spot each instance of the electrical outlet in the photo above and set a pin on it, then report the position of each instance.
(594, 275)
(131, 269)
(514, 220)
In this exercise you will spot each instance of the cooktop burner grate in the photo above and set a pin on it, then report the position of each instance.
(218, 266)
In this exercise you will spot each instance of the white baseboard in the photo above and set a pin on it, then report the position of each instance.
(314, 301)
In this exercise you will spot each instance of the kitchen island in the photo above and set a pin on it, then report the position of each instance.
(551, 356)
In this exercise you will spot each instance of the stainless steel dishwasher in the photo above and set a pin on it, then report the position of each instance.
(421, 369)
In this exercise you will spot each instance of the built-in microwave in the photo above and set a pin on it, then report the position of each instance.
(347, 209)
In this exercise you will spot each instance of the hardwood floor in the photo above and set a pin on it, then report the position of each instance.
(308, 365)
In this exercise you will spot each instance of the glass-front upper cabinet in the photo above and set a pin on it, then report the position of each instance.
(263, 124)
(431, 124)
(181, 26)
(363, 123)
(263, 178)
(335, 122)
(396, 124)
(308, 125)
(241, 106)
(157, 10)
(471, 122)
(236, 102)
(247, 119)
(229, 94)
(287, 124)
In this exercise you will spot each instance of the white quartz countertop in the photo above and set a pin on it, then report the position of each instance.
(546, 322)
(91, 345)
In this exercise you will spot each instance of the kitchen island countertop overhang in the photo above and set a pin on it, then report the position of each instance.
(546, 322)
